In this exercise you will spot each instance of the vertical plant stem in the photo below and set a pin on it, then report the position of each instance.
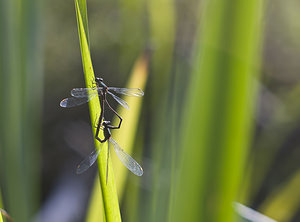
(109, 192)
(162, 20)
(288, 194)
(20, 108)
(219, 111)
(1, 220)
(125, 135)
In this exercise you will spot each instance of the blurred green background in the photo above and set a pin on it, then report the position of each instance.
(219, 120)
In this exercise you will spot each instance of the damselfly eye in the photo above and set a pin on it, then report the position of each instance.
(106, 122)
(97, 79)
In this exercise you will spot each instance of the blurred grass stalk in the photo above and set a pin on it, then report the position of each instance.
(283, 203)
(124, 136)
(1, 203)
(162, 24)
(218, 118)
(132, 14)
(267, 148)
(108, 188)
(21, 85)
(0, 207)
(127, 134)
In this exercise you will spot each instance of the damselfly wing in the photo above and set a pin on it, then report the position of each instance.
(83, 95)
(124, 157)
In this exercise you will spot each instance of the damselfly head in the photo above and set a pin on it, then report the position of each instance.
(100, 83)
(106, 123)
(98, 79)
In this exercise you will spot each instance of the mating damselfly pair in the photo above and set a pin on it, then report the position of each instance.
(83, 95)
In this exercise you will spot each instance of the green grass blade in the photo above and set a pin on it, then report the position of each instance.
(1, 207)
(4, 214)
(268, 146)
(161, 21)
(132, 196)
(1, 203)
(162, 24)
(20, 109)
(124, 136)
(110, 198)
(132, 18)
(283, 203)
(95, 210)
(219, 112)
(83, 12)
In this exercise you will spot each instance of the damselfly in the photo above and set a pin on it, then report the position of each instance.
(125, 158)
(83, 95)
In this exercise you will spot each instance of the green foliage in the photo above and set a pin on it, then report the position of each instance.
(1, 220)
(162, 33)
(21, 105)
(198, 111)
(125, 136)
(288, 194)
(219, 111)
(108, 188)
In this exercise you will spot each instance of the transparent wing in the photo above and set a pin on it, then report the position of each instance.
(88, 161)
(73, 101)
(119, 100)
(85, 92)
(126, 159)
(127, 91)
